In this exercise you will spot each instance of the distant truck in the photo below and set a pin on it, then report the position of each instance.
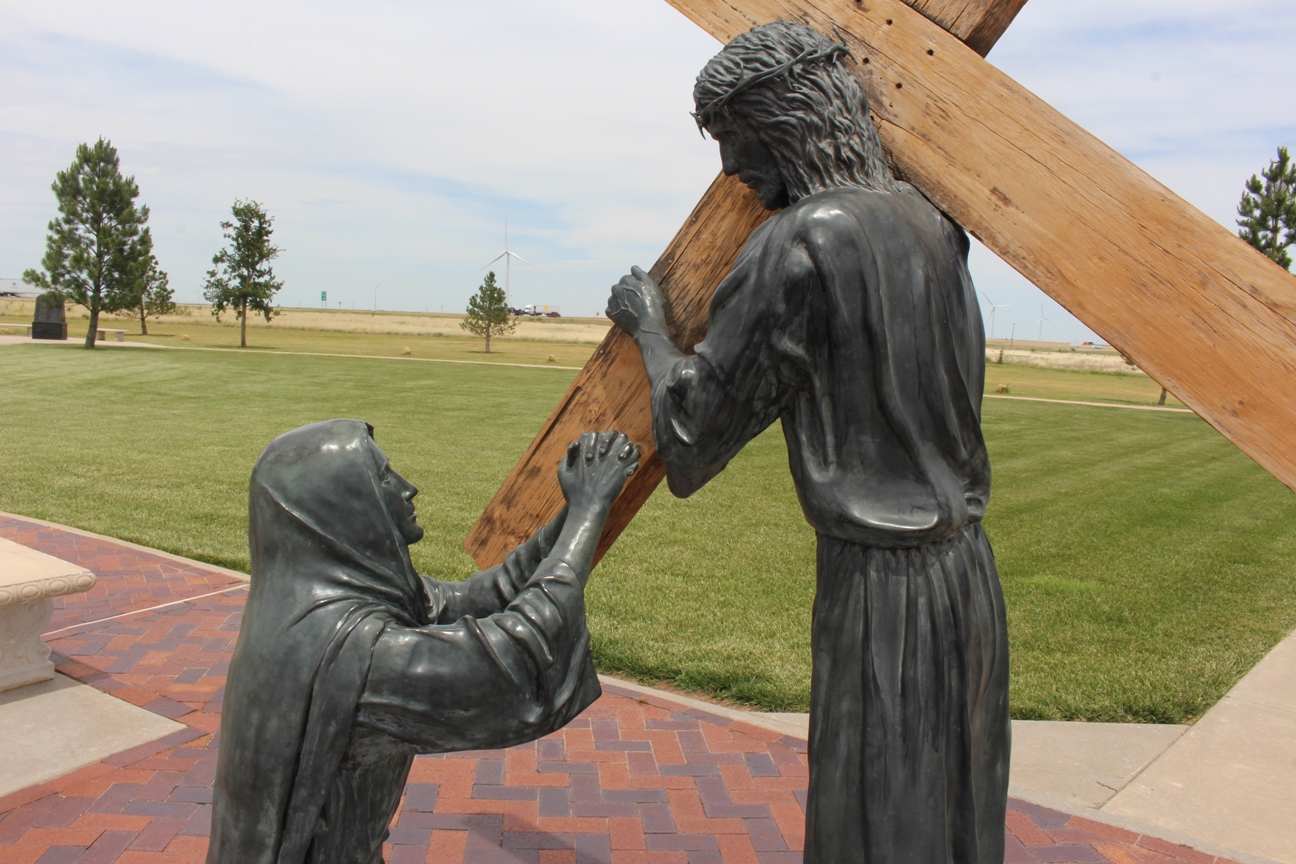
(533, 311)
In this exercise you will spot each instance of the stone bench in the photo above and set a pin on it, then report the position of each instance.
(28, 582)
(118, 335)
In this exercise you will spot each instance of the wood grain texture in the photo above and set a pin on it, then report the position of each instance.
(1206, 316)
(1200, 311)
(611, 392)
(978, 23)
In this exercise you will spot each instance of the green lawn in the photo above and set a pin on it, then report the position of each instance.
(1146, 562)
(1041, 383)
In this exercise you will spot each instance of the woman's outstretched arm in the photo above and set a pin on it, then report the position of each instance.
(489, 591)
(522, 672)
(566, 537)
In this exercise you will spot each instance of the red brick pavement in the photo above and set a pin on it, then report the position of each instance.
(128, 578)
(633, 779)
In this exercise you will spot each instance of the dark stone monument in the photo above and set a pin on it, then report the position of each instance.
(851, 317)
(349, 663)
(50, 321)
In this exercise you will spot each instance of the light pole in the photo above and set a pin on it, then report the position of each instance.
(1013, 335)
(375, 309)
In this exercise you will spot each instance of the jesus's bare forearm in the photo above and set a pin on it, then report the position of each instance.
(660, 354)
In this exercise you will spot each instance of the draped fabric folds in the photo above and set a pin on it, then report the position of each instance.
(348, 662)
(909, 725)
(851, 316)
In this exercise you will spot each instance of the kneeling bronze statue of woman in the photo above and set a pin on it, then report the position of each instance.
(349, 663)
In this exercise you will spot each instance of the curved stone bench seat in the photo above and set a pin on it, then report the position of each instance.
(29, 580)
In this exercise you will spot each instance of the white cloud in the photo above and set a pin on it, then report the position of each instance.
(390, 139)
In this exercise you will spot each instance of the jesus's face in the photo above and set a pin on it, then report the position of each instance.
(743, 153)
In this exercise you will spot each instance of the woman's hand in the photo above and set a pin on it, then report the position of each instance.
(595, 470)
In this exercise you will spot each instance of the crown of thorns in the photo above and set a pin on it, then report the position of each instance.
(706, 113)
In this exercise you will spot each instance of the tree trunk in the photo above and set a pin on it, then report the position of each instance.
(143, 320)
(243, 327)
(488, 341)
(1161, 401)
(94, 322)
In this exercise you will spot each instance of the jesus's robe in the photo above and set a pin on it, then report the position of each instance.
(851, 316)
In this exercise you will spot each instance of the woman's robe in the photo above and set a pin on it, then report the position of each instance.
(348, 663)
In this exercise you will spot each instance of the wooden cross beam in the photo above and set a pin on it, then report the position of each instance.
(1204, 314)
(612, 390)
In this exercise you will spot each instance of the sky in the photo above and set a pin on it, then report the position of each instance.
(391, 140)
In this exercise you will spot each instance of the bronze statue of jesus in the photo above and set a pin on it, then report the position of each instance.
(850, 315)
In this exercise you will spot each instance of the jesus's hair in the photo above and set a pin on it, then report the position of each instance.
(814, 117)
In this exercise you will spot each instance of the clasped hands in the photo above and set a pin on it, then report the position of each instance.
(596, 468)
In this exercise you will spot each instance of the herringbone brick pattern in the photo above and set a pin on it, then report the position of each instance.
(128, 579)
(633, 779)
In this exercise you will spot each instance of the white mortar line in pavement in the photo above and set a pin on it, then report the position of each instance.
(54, 634)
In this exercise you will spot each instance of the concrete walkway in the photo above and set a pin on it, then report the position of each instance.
(645, 775)
(1231, 778)
(27, 340)
(55, 727)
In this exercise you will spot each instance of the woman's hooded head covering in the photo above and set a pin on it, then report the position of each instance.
(330, 570)
(317, 521)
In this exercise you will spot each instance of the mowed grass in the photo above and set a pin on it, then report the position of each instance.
(1147, 564)
(1085, 386)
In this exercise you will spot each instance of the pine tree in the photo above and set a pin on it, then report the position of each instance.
(488, 314)
(1268, 209)
(96, 243)
(150, 286)
(241, 278)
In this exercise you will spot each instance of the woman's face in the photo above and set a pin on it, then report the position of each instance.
(398, 497)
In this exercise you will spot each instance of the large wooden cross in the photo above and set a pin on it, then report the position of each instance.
(1201, 312)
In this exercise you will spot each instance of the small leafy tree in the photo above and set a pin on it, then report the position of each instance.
(95, 244)
(1268, 209)
(241, 278)
(488, 314)
(150, 286)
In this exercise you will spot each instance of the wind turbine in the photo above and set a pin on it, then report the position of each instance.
(508, 257)
(993, 307)
(1042, 319)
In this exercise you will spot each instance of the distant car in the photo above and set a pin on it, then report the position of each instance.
(552, 315)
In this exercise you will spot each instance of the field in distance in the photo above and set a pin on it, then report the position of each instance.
(569, 341)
